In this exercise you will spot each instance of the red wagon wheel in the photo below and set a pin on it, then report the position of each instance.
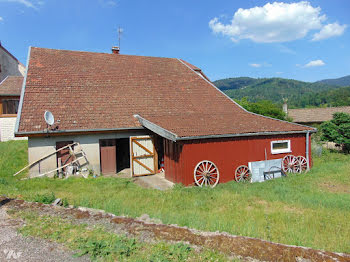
(206, 174)
(242, 174)
(302, 164)
(290, 164)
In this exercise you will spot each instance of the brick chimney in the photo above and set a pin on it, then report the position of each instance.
(115, 49)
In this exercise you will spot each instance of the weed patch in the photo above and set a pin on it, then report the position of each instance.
(46, 198)
(99, 244)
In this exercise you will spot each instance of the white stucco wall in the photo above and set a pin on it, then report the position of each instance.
(41, 146)
(7, 129)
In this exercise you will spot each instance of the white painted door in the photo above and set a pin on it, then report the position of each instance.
(142, 156)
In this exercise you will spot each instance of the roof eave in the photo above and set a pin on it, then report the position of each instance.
(156, 129)
(73, 131)
(247, 134)
(10, 94)
(22, 94)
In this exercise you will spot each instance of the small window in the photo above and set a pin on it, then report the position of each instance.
(282, 146)
(10, 106)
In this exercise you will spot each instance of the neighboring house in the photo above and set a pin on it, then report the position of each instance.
(311, 116)
(9, 65)
(132, 111)
(10, 91)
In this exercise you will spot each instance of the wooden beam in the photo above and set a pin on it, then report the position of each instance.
(24, 168)
(143, 147)
(143, 165)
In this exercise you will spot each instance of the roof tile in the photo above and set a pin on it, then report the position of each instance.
(315, 115)
(11, 85)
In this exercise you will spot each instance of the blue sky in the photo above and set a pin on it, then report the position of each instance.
(307, 40)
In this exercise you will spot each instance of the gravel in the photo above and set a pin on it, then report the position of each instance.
(15, 247)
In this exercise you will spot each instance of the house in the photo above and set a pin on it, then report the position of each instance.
(11, 79)
(130, 111)
(9, 65)
(10, 91)
(311, 116)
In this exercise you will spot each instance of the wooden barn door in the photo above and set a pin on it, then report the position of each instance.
(142, 155)
(108, 154)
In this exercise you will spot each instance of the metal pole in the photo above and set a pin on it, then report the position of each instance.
(307, 150)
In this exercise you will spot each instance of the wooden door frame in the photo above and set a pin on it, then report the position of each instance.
(154, 155)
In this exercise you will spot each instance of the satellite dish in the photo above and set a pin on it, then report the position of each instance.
(49, 119)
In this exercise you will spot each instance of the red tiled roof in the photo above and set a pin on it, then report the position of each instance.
(88, 91)
(315, 115)
(11, 85)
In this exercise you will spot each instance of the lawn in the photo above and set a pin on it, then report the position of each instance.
(310, 209)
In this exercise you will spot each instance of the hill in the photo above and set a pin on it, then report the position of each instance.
(273, 89)
(341, 81)
(235, 83)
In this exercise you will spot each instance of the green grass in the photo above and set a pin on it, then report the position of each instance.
(101, 245)
(310, 209)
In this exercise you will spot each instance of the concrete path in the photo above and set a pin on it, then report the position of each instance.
(15, 247)
(156, 181)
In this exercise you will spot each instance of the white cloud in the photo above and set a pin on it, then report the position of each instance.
(112, 3)
(284, 49)
(264, 64)
(255, 65)
(273, 22)
(108, 3)
(1, 19)
(27, 3)
(315, 63)
(329, 30)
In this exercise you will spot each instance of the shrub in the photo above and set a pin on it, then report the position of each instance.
(337, 130)
(46, 198)
(65, 202)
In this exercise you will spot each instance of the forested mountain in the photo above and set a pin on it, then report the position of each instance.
(334, 97)
(235, 83)
(342, 81)
(299, 94)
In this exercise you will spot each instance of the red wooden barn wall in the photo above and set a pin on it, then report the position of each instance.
(227, 154)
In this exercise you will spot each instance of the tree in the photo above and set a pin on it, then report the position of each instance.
(263, 107)
(337, 130)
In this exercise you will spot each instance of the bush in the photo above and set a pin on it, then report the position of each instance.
(263, 107)
(337, 130)
(65, 202)
(47, 198)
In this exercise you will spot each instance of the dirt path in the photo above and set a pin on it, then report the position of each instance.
(144, 229)
(14, 247)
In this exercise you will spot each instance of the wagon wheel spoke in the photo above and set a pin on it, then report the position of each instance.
(200, 179)
(200, 167)
(210, 171)
(209, 166)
